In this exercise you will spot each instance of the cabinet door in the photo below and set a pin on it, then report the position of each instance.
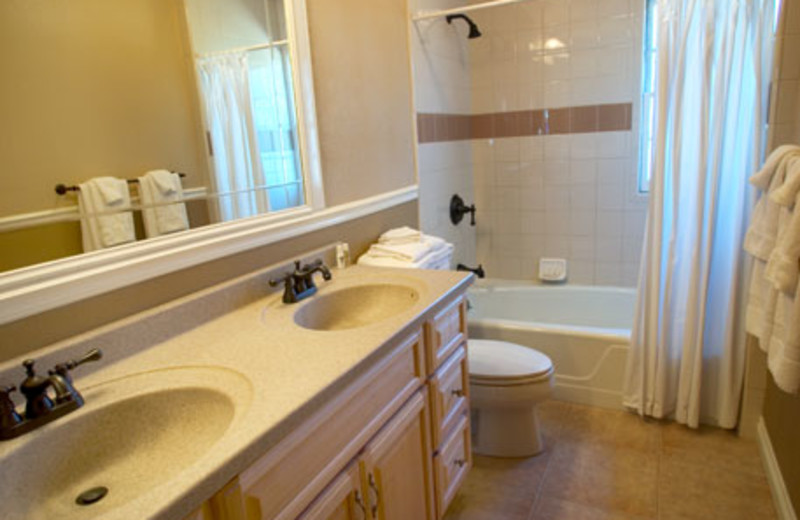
(343, 499)
(396, 466)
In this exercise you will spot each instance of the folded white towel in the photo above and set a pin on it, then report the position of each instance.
(401, 235)
(439, 259)
(161, 195)
(106, 220)
(408, 252)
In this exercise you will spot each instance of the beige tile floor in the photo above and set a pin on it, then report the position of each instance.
(609, 465)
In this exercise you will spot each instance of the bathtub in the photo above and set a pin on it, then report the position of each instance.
(584, 330)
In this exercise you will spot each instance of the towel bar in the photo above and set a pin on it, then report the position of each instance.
(62, 189)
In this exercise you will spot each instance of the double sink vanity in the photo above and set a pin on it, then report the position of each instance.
(231, 404)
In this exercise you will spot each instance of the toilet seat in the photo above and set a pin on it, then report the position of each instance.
(500, 363)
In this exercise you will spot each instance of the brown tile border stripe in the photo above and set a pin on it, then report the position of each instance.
(568, 120)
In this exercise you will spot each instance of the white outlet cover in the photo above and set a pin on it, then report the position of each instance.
(552, 269)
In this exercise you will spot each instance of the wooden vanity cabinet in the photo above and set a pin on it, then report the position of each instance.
(392, 446)
(343, 499)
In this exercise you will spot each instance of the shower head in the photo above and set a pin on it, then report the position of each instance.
(473, 28)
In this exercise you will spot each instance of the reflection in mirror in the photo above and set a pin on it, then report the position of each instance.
(96, 89)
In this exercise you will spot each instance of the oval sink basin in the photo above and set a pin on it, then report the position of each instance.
(355, 306)
(133, 435)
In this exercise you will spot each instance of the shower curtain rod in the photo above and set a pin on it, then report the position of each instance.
(465, 9)
(241, 49)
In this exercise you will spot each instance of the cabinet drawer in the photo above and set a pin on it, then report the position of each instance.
(449, 394)
(446, 331)
(452, 464)
(290, 475)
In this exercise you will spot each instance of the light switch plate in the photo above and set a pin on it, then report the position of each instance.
(552, 269)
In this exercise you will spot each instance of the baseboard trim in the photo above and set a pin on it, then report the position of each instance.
(780, 494)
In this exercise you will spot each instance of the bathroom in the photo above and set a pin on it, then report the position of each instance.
(538, 122)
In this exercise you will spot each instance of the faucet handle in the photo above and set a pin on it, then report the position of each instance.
(34, 388)
(93, 355)
(8, 413)
(63, 369)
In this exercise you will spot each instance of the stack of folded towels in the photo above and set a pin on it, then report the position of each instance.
(409, 248)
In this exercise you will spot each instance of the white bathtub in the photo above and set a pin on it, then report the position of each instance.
(584, 330)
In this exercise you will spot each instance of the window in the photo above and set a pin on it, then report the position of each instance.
(243, 54)
(647, 132)
(272, 102)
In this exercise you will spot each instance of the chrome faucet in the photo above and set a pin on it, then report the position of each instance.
(40, 408)
(299, 284)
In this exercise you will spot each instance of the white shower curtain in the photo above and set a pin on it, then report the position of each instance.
(712, 75)
(226, 94)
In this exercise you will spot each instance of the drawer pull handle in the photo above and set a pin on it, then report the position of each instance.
(457, 392)
(460, 462)
(374, 502)
(360, 503)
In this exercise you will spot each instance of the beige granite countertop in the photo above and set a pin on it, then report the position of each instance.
(282, 373)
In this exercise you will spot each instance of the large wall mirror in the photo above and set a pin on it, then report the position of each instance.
(205, 100)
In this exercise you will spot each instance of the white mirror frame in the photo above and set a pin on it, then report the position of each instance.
(31, 290)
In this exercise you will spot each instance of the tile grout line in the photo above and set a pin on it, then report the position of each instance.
(550, 458)
(539, 487)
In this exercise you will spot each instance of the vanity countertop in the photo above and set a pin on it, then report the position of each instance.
(286, 372)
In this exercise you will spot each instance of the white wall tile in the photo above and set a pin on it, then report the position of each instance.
(582, 223)
(583, 146)
(571, 196)
(609, 223)
(608, 273)
(531, 148)
(580, 272)
(556, 147)
(614, 8)
(556, 246)
(582, 10)
(582, 248)
(506, 149)
(556, 12)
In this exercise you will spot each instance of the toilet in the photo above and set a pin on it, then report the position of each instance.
(507, 381)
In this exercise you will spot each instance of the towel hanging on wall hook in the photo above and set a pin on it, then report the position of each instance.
(458, 209)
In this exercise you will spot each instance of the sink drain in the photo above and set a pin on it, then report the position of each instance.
(90, 496)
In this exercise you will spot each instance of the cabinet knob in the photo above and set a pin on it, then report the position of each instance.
(457, 392)
(460, 462)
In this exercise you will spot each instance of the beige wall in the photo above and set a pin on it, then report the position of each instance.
(38, 331)
(367, 150)
(93, 88)
(362, 80)
(781, 411)
(89, 89)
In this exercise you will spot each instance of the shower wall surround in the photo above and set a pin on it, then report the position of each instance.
(442, 85)
(553, 128)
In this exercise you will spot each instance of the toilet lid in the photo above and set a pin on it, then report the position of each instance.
(490, 359)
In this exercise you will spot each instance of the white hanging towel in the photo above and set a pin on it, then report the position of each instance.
(768, 219)
(163, 210)
(106, 220)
